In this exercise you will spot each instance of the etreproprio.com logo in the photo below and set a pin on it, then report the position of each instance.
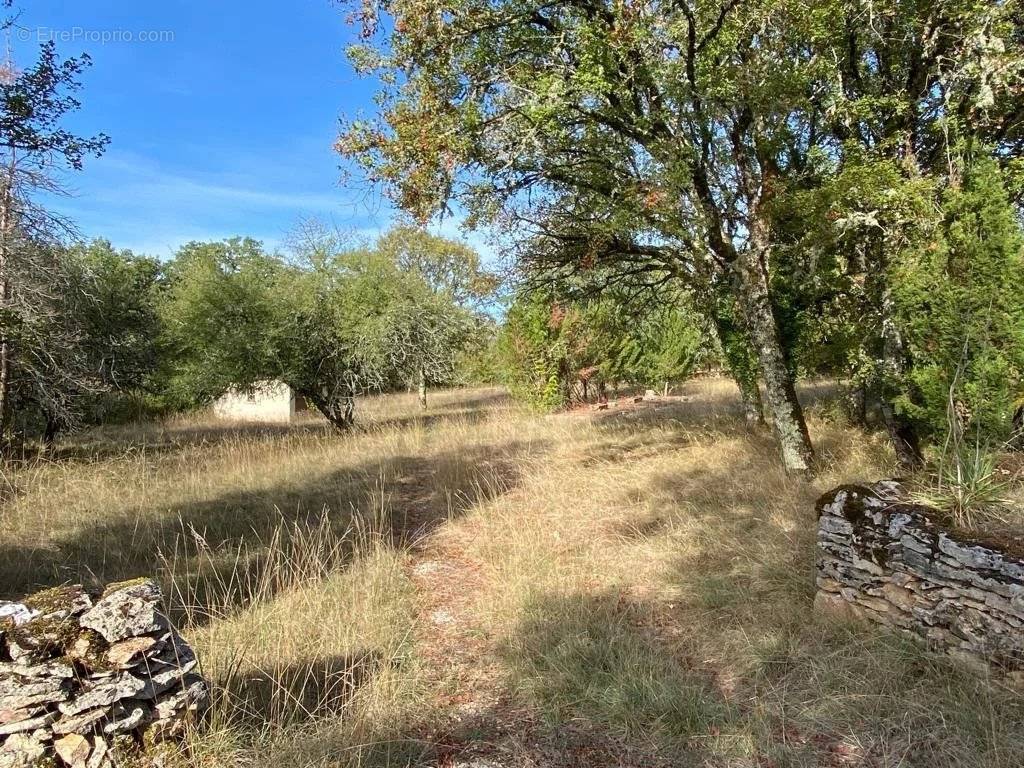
(97, 36)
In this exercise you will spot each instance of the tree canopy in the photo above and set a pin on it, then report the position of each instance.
(42, 366)
(331, 322)
(687, 142)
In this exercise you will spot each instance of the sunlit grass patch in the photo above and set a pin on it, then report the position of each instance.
(320, 642)
(587, 656)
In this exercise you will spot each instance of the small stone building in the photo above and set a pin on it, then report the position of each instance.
(270, 402)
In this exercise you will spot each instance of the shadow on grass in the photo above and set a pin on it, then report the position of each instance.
(160, 438)
(318, 714)
(291, 694)
(401, 499)
(603, 680)
(803, 689)
(652, 435)
(487, 400)
(651, 428)
(602, 688)
(157, 440)
(426, 419)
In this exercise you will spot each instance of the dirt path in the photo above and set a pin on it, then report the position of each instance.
(456, 651)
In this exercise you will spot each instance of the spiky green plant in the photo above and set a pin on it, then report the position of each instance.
(969, 487)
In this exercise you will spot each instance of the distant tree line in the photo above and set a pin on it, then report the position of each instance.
(140, 337)
(329, 320)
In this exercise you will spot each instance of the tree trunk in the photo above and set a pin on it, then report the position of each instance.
(52, 430)
(5, 387)
(1017, 439)
(6, 219)
(894, 368)
(339, 411)
(859, 405)
(903, 437)
(750, 398)
(751, 286)
(735, 342)
(423, 389)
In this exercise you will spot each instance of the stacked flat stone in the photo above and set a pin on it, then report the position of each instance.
(83, 677)
(882, 557)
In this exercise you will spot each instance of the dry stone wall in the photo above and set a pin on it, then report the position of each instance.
(883, 558)
(86, 678)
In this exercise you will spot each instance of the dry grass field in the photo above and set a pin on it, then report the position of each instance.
(480, 586)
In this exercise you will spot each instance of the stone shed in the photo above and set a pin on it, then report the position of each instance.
(272, 402)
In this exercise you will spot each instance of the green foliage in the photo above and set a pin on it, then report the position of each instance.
(223, 319)
(43, 369)
(120, 320)
(89, 351)
(908, 284)
(534, 350)
(960, 306)
(119, 328)
(642, 140)
(446, 333)
(478, 361)
(548, 349)
(330, 323)
(236, 317)
(737, 352)
(447, 266)
(415, 333)
(659, 346)
(47, 369)
(32, 105)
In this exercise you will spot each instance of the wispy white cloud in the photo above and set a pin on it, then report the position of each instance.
(150, 207)
(143, 182)
(138, 202)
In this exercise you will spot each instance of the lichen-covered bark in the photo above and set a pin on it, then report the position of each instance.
(339, 411)
(750, 398)
(751, 286)
(739, 356)
(423, 389)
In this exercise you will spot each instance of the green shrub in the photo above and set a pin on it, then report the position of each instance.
(545, 345)
(960, 304)
(968, 487)
(533, 353)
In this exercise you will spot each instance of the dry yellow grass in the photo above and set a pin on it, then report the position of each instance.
(615, 588)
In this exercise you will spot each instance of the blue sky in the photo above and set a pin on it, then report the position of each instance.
(222, 125)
